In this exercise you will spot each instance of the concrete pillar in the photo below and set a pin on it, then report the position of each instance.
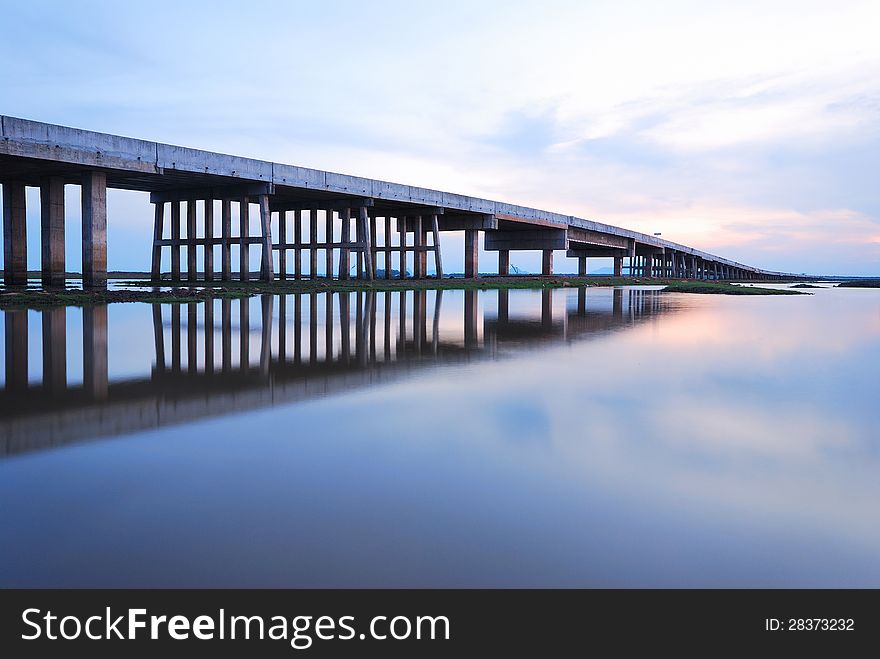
(267, 269)
(374, 254)
(717, 276)
(367, 244)
(209, 239)
(344, 263)
(471, 254)
(618, 266)
(503, 262)
(55, 349)
(438, 258)
(244, 270)
(297, 241)
(226, 233)
(14, 234)
(94, 230)
(387, 254)
(158, 231)
(175, 236)
(693, 267)
(313, 244)
(282, 241)
(191, 271)
(401, 231)
(328, 238)
(95, 379)
(582, 266)
(16, 321)
(52, 231)
(419, 260)
(547, 262)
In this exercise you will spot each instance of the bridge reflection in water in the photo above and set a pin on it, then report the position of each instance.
(231, 355)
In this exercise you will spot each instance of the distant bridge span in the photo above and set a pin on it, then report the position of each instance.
(304, 213)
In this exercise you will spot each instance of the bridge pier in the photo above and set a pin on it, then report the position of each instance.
(547, 262)
(14, 233)
(52, 231)
(471, 254)
(503, 262)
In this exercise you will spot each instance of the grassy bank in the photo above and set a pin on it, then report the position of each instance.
(37, 298)
(724, 288)
(860, 283)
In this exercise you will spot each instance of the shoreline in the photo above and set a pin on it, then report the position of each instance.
(37, 298)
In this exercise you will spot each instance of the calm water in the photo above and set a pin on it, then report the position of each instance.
(568, 438)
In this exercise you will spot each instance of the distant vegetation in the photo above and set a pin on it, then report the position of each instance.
(722, 288)
(807, 286)
(860, 283)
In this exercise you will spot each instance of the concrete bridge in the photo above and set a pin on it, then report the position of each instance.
(211, 359)
(318, 218)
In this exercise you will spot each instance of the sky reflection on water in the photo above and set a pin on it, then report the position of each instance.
(565, 438)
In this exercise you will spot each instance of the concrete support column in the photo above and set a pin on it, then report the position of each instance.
(175, 236)
(313, 244)
(367, 244)
(401, 230)
(547, 262)
(282, 241)
(94, 229)
(95, 378)
(297, 241)
(503, 262)
(52, 231)
(267, 270)
(618, 266)
(328, 238)
(158, 230)
(191, 271)
(344, 263)
(693, 267)
(418, 252)
(438, 257)
(244, 270)
(717, 276)
(226, 233)
(388, 250)
(14, 234)
(582, 266)
(471, 254)
(209, 239)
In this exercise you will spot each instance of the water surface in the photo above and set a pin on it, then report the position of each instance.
(598, 437)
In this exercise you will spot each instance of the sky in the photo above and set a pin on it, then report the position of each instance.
(750, 129)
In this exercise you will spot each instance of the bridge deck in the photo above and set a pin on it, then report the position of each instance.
(31, 151)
